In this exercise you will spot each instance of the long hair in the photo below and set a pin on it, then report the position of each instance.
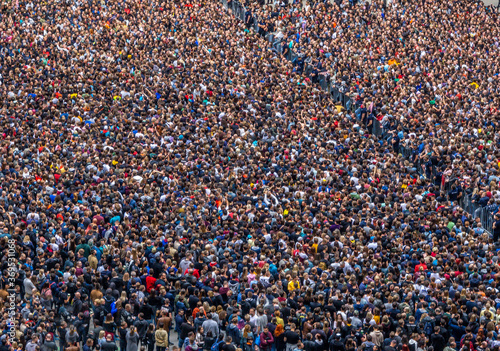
(279, 330)
(246, 330)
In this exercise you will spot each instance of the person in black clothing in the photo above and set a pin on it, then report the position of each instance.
(61, 331)
(150, 338)
(122, 333)
(142, 326)
(335, 343)
(77, 304)
(109, 324)
(209, 340)
(437, 340)
(147, 310)
(228, 345)
(180, 318)
(186, 328)
(108, 300)
(100, 312)
(292, 338)
(4, 346)
(496, 228)
(391, 346)
(109, 344)
(309, 344)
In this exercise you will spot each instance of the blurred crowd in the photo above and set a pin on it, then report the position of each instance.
(169, 180)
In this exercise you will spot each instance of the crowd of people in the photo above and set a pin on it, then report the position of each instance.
(170, 180)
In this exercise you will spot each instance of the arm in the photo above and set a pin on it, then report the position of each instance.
(275, 200)
(266, 200)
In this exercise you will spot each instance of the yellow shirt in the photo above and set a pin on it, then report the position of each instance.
(315, 247)
(293, 285)
(280, 320)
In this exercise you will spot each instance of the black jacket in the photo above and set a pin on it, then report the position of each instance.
(142, 327)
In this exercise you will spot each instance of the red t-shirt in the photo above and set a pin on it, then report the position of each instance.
(195, 273)
(423, 265)
(150, 283)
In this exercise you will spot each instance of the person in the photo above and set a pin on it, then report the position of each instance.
(132, 338)
(392, 346)
(200, 337)
(29, 287)
(211, 326)
(247, 338)
(101, 339)
(261, 320)
(61, 333)
(291, 338)
(72, 337)
(187, 328)
(234, 332)
(72, 346)
(228, 345)
(109, 344)
(161, 338)
(89, 345)
(122, 334)
(451, 347)
(351, 345)
(141, 326)
(150, 337)
(180, 318)
(190, 342)
(49, 343)
(3, 345)
(437, 340)
(279, 336)
(377, 336)
(266, 339)
(32, 343)
(46, 296)
(166, 319)
(109, 324)
(496, 228)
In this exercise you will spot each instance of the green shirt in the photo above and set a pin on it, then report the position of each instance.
(86, 249)
(450, 225)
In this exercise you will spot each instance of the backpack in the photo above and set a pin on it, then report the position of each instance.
(56, 291)
(42, 283)
(302, 318)
(428, 328)
(47, 294)
(411, 328)
(108, 301)
(235, 287)
(386, 328)
(216, 346)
